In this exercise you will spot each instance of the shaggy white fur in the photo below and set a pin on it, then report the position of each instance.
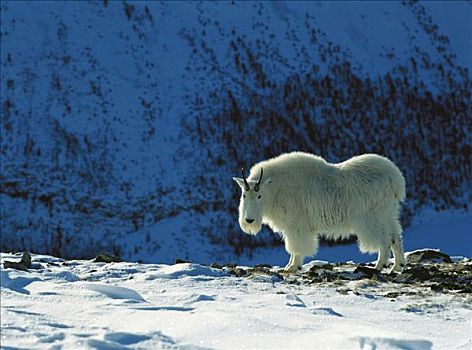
(301, 196)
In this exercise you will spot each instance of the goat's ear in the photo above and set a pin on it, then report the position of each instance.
(240, 182)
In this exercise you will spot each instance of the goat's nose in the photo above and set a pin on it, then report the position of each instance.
(249, 221)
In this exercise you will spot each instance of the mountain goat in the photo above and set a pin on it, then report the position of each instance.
(302, 197)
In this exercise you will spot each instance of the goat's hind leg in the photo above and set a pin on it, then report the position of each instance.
(373, 236)
(382, 260)
(398, 253)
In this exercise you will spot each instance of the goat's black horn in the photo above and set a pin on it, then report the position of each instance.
(256, 187)
(245, 181)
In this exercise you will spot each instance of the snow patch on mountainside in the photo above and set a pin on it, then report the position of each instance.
(96, 97)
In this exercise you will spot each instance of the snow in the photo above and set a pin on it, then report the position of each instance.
(190, 306)
(114, 292)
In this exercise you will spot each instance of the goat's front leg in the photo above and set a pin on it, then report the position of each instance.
(294, 264)
(290, 262)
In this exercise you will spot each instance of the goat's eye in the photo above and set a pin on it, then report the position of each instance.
(259, 197)
(244, 196)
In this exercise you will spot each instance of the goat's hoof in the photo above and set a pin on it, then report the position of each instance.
(397, 268)
(292, 269)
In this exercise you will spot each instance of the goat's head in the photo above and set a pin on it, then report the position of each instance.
(252, 203)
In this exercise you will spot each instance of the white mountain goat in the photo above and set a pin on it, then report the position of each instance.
(301, 196)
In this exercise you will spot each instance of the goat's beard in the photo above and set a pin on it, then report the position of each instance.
(251, 229)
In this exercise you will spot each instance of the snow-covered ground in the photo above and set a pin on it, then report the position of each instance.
(87, 305)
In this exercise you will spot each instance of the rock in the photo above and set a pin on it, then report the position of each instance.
(216, 266)
(344, 291)
(316, 268)
(263, 265)
(26, 260)
(392, 294)
(417, 273)
(261, 269)
(181, 261)
(24, 264)
(230, 265)
(368, 271)
(14, 265)
(107, 258)
(327, 267)
(428, 256)
(437, 288)
(239, 272)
